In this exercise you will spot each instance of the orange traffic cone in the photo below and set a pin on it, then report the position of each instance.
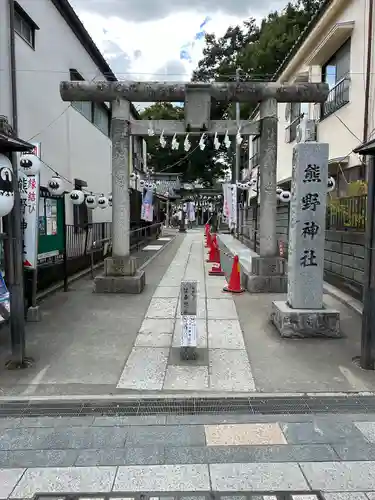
(206, 230)
(212, 252)
(208, 240)
(216, 268)
(235, 278)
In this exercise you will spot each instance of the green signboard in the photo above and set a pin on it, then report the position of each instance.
(51, 228)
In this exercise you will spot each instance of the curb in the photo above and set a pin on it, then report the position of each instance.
(353, 304)
(152, 396)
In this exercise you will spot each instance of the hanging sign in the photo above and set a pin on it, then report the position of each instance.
(4, 299)
(29, 193)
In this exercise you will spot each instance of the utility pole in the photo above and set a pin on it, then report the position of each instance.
(17, 306)
(237, 159)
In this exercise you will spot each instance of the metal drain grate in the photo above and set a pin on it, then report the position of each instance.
(194, 495)
(193, 406)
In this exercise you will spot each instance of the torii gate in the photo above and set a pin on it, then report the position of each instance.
(120, 273)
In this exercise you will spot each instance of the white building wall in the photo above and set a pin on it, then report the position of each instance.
(5, 84)
(342, 130)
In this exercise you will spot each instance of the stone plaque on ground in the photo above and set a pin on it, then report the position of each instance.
(189, 319)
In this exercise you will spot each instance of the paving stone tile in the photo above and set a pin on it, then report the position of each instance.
(78, 438)
(38, 458)
(177, 435)
(10, 423)
(201, 333)
(144, 369)
(188, 378)
(166, 291)
(83, 421)
(367, 429)
(216, 292)
(230, 370)
(241, 434)
(321, 432)
(149, 455)
(221, 309)
(163, 478)
(257, 477)
(8, 480)
(156, 326)
(162, 308)
(355, 451)
(370, 496)
(225, 334)
(345, 496)
(340, 476)
(64, 479)
(130, 420)
(248, 454)
(16, 439)
(153, 340)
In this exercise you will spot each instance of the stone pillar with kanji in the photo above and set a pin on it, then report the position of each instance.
(303, 314)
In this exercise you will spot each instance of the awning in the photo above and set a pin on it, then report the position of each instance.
(366, 149)
(330, 44)
(338, 159)
(12, 144)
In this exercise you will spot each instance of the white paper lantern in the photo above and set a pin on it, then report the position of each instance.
(133, 176)
(6, 186)
(91, 201)
(110, 200)
(103, 202)
(331, 184)
(142, 183)
(55, 185)
(30, 164)
(249, 184)
(77, 197)
(285, 196)
(278, 191)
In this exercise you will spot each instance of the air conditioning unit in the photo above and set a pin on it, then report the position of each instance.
(306, 131)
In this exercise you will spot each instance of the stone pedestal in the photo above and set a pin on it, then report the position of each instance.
(120, 276)
(268, 275)
(302, 323)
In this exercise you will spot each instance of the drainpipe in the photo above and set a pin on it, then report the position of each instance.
(17, 307)
(368, 70)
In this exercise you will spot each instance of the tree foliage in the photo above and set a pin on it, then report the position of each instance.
(258, 50)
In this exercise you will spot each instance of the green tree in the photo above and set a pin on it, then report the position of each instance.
(195, 164)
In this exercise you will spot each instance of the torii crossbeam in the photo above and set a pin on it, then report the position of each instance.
(120, 270)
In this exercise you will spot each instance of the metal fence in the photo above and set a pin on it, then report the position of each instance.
(348, 213)
(85, 247)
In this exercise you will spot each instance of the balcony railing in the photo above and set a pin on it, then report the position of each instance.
(347, 213)
(337, 98)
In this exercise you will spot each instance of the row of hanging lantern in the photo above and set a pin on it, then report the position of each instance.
(175, 144)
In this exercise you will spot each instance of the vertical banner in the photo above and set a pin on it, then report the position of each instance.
(147, 211)
(233, 189)
(29, 194)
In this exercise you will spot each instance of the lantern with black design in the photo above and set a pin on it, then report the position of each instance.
(91, 201)
(102, 202)
(55, 185)
(30, 164)
(6, 186)
(77, 197)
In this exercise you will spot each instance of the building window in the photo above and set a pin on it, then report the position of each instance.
(336, 73)
(81, 214)
(24, 26)
(296, 112)
(98, 114)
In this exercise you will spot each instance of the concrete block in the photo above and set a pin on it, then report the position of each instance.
(268, 266)
(120, 266)
(33, 314)
(120, 284)
(305, 323)
(266, 284)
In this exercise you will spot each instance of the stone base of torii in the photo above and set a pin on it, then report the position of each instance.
(120, 272)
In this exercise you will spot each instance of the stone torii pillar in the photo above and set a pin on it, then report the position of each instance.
(120, 271)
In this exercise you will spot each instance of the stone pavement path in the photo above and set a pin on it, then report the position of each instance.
(169, 453)
(154, 362)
